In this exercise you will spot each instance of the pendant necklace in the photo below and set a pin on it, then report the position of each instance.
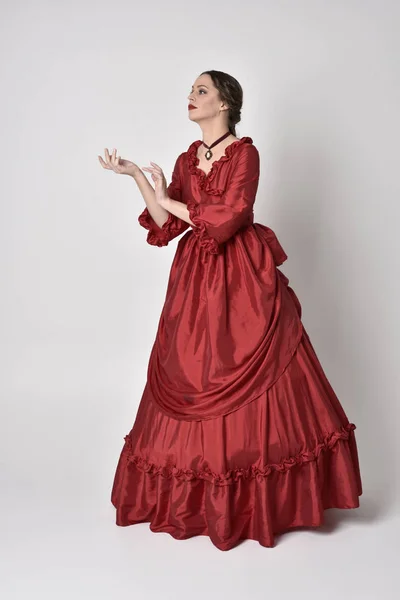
(209, 154)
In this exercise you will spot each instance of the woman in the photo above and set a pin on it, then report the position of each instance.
(239, 434)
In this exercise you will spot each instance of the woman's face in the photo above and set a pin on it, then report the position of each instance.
(205, 97)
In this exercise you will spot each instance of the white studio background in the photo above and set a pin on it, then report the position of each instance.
(82, 291)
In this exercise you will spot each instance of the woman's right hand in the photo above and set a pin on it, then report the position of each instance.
(119, 165)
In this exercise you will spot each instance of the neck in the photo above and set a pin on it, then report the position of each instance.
(212, 132)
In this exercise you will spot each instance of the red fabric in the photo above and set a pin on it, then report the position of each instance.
(238, 434)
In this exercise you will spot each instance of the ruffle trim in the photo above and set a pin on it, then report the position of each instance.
(205, 240)
(157, 236)
(205, 179)
(234, 475)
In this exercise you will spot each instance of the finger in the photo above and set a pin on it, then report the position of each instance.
(103, 164)
(107, 155)
(113, 161)
(114, 157)
(155, 165)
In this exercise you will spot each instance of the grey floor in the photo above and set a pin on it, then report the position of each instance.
(59, 541)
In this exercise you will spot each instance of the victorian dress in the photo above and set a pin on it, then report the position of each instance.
(238, 434)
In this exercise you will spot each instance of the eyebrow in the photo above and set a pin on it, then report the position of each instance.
(201, 85)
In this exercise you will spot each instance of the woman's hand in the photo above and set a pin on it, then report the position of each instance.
(160, 183)
(119, 165)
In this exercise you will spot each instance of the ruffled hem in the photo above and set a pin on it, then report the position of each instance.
(205, 179)
(253, 509)
(157, 236)
(233, 475)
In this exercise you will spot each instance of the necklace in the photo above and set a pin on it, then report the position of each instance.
(209, 154)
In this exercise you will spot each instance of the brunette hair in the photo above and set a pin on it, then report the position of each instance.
(231, 93)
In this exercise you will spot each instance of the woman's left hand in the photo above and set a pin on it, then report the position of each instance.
(160, 182)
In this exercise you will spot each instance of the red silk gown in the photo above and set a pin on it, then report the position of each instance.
(239, 434)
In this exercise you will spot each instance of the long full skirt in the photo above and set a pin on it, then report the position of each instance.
(274, 464)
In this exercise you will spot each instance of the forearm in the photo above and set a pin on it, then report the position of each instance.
(158, 213)
(178, 209)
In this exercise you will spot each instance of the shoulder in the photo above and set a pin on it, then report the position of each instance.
(179, 160)
(246, 152)
(248, 145)
(244, 147)
(181, 156)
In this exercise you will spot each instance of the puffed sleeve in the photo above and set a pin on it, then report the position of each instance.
(173, 226)
(215, 223)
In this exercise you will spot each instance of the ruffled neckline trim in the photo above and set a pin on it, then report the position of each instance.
(205, 179)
